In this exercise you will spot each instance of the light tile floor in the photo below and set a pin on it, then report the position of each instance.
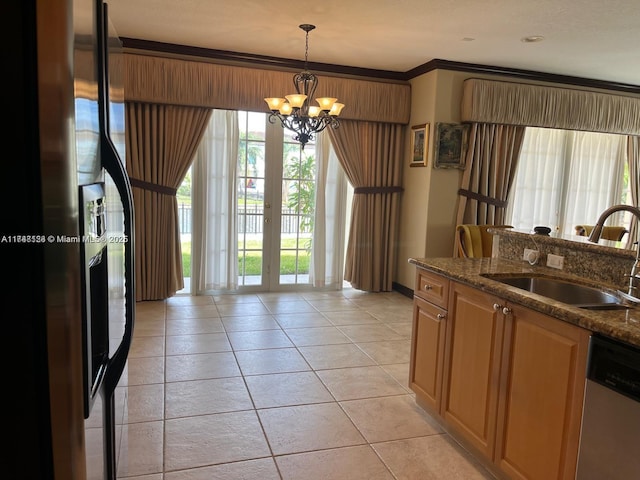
(279, 386)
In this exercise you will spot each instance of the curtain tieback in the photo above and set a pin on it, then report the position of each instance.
(153, 187)
(483, 198)
(370, 190)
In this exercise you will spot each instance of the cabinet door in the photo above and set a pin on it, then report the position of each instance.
(542, 390)
(472, 365)
(427, 350)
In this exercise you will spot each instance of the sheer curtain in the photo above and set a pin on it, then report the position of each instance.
(566, 178)
(536, 191)
(595, 178)
(327, 253)
(214, 247)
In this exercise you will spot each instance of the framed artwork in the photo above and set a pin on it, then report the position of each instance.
(419, 147)
(451, 145)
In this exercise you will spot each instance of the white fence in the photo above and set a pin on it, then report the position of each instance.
(250, 219)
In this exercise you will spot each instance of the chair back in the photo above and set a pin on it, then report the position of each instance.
(475, 241)
(608, 233)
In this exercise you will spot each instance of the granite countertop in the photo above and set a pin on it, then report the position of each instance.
(620, 324)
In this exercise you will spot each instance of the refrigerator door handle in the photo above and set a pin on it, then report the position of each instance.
(115, 168)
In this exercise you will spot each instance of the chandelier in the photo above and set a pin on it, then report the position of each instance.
(294, 111)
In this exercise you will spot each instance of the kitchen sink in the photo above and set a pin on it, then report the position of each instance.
(566, 292)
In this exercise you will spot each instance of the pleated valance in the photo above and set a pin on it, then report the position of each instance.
(486, 101)
(173, 81)
(85, 83)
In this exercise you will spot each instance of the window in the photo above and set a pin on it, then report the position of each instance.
(567, 178)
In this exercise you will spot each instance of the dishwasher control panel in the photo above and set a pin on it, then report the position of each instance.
(615, 365)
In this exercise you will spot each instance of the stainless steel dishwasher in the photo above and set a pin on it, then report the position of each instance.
(610, 439)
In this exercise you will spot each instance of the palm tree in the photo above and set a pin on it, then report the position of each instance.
(249, 153)
(300, 170)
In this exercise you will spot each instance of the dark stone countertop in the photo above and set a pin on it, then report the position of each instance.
(620, 324)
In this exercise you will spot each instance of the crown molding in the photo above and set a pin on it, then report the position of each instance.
(520, 74)
(253, 60)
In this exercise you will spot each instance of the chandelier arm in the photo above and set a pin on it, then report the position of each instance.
(321, 126)
(304, 124)
(273, 117)
(287, 122)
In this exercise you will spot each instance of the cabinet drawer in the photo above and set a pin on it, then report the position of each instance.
(432, 287)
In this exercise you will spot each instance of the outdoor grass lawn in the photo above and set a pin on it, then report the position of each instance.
(253, 261)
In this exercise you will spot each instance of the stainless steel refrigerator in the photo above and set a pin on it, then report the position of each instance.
(66, 241)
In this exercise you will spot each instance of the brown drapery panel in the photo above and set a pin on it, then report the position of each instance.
(491, 161)
(371, 155)
(161, 143)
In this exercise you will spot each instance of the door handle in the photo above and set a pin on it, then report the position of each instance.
(267, 220)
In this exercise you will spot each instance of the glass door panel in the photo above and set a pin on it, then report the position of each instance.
(251, 176)
(297, 212)
(276, 195)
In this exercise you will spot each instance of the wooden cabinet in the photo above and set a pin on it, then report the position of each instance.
(472, 366)
(427, 349)
(507, 381)
(541, 396)
(428, 337)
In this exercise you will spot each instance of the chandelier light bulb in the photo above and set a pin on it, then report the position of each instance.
(285, 109)
(314, 111)
(296, 100)
(326, 103)
(275, 103)
(336, 108)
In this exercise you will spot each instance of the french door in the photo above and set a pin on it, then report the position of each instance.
(275, 195)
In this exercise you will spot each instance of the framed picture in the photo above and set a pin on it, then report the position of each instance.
(419, 140)
(451, 145)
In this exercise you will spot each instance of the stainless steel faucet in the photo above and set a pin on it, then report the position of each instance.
(597, 232)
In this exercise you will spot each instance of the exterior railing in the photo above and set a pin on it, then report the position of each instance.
(250, 219)
(184, 218)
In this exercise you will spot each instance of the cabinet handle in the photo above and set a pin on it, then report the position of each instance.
(506, 311)
(497, 307)
(427, 286)
(441, 316)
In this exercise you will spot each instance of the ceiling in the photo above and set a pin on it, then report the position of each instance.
(592, 39)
